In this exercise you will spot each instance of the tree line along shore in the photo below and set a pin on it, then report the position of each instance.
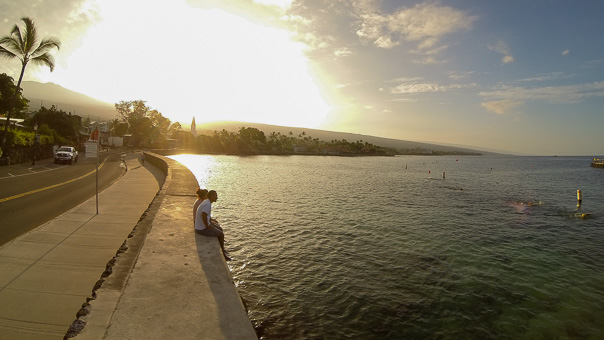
(139, 126)
(252, 141)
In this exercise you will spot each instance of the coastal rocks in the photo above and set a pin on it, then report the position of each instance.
(76, 327)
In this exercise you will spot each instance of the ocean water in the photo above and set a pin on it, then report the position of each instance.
(385, 248)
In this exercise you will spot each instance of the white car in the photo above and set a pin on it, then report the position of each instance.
(66, 154)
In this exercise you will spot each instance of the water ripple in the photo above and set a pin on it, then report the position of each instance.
(363, 248)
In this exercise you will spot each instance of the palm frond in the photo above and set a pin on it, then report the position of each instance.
(10, 44)
(6, 53)
(46, 45)
(17, 38)
(45, 59)
(31, 35)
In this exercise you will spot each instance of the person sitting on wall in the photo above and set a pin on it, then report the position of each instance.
(206, 225)
(202, 194)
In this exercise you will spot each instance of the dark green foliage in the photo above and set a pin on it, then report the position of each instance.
(149, 128)
(7, 92)
(58, 123)
(253, 141)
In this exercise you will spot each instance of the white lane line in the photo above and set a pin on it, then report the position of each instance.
(33, 172)
(54, 185)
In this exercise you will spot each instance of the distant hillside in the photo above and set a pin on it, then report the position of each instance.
(49, 94)
(69, 101)
(209, 128)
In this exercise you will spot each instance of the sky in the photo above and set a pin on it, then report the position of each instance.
(518, 76)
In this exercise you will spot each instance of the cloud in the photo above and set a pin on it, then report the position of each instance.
(428, 60)
(566, 52)
(592, 64)
(406, 79)
(552, 94)
(501, 107)
(432, 51)
(425, 24)
(428, 22)
(285, 4)
(409, 88)
(405, 100)
(343, 52)
(372, 26)
(76, 17)
(298, 19)
(547, 77)
(455, 75)
(312, 41)
(502, 48)
(385, 42)
(507, 59)
(428, 57)
(44, 14)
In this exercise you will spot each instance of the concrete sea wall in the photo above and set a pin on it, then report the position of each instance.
(179, 285)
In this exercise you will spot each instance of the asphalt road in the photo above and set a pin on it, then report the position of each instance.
(32, 195)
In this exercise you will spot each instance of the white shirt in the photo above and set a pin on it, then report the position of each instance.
(205, 206)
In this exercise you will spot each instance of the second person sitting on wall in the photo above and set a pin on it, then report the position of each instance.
(202, 195)
(206, 225)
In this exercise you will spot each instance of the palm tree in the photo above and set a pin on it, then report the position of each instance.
(23, 45)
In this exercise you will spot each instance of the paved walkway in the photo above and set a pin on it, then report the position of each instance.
(47, 274)
(180, 287)
(166, 282)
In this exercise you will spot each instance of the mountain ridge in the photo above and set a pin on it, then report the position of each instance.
(325, 135)
(48, 94)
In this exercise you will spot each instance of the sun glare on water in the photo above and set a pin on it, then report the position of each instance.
(202, 167)
(190, 62)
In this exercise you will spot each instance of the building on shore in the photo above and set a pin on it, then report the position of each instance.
(193, 128)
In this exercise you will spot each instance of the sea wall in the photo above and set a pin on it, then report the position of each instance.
(158, 161)
(167, 282)
(184, 271)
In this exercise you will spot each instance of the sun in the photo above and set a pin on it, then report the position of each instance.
(191, 62)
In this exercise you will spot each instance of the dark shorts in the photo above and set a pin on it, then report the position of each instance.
(212, 232)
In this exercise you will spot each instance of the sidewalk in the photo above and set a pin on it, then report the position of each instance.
(180, 287)
(47, 274)
(166, 283)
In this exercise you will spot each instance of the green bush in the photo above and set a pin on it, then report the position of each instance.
(23, 138)
(26, 138)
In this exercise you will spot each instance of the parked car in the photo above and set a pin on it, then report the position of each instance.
(66, 154)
